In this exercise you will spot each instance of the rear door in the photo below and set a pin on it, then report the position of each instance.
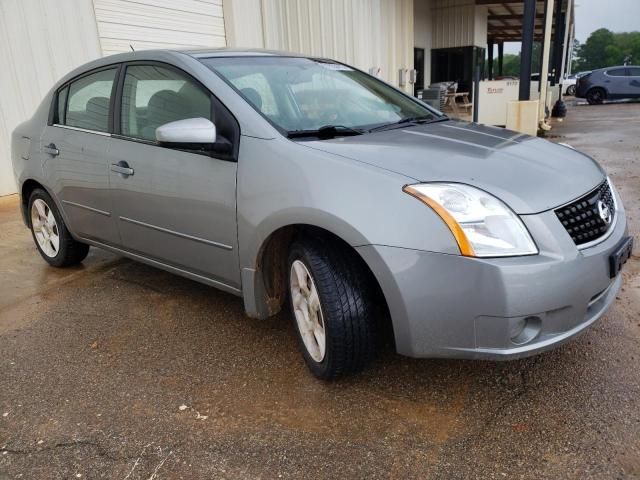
(178, 206)
(76, 142)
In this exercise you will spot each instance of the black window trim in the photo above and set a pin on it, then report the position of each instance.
(116, 123)
(115, 107)
(54, 99)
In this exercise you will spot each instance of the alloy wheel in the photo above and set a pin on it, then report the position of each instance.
(45, 228)
(308, 311)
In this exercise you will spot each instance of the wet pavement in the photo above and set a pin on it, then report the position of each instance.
(117, 370)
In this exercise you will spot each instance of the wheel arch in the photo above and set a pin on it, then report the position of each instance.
(265, 286)
(26, 189)
(598, 87)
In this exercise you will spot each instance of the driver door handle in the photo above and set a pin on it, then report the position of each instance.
(51, 149)
(122, 168)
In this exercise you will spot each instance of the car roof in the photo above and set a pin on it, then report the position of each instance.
(619, 66)
(238, 52)
(169, 55)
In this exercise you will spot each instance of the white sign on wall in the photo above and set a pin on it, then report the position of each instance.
(493, 99)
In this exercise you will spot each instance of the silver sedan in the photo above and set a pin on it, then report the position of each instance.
(288, 179)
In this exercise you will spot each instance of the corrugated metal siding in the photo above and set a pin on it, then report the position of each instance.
(363, 33)
(40, 41)
(146, 24)
(458, 23)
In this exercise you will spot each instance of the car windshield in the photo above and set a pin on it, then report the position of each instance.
(303, 94)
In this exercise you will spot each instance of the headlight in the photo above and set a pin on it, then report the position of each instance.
(482, 225)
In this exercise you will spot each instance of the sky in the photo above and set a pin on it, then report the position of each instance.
(616, 15)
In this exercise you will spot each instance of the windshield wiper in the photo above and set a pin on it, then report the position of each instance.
(417, 120)
(326, 132)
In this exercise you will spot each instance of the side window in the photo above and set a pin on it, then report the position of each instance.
(634, 71)
(153, 95)
(617, 72)
(87, 101)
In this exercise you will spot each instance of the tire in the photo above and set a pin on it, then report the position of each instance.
(596, 96)
(50, 234)
(346, 307)
(571, 91)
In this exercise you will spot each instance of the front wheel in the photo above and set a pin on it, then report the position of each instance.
(333, 305)
(50, 234)
(571, 90)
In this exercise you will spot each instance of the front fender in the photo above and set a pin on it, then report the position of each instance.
(281, 183)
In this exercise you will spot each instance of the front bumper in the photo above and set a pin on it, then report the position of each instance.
(459, 307)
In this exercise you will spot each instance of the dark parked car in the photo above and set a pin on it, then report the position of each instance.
(609, 84)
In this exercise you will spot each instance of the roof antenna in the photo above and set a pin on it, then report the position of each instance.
(131, 47)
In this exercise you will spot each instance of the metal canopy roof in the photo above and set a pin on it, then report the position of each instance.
(505, 19)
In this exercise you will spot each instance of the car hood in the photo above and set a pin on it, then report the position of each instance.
(531, 175)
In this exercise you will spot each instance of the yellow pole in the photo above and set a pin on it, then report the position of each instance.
(544, 70)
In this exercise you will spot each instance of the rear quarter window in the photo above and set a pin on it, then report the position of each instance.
(61, 106)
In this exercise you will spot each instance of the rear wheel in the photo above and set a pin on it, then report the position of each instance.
(596, 96)
(333, 305)
(571, 90)
(50, 234)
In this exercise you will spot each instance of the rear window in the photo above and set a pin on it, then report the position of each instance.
(85, 102)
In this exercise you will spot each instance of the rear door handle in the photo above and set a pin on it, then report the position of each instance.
(51, 149)
(122, 168)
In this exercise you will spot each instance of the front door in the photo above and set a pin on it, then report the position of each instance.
(76, 147)
(616, 81)
(174, 205)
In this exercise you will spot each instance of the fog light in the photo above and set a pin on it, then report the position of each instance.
(523, 330)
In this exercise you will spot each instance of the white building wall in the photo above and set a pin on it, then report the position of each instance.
(459, 23)
(40, 41)
(146, 24)
(363, 33)
(480, 29)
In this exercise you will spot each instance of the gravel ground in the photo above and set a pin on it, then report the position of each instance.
(116, 370)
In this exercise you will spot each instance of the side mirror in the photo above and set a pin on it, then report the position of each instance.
(187, 131)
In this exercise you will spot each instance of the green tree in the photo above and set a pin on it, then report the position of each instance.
(604, 48)
(511, 62)
(511, 65)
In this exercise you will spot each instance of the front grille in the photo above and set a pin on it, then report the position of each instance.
(586, 218)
